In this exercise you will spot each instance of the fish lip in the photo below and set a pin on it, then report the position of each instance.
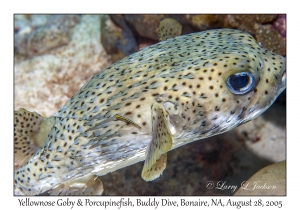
(282, 85)
(283, 76)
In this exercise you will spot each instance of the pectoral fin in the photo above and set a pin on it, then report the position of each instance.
(161, 143)
(87, 185)
(30, 132)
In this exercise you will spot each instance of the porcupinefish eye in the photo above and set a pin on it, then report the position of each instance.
(240, 83)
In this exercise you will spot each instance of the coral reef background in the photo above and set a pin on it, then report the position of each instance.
(71, 54)
(56, 54)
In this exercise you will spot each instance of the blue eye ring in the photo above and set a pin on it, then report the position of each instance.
(240, 83)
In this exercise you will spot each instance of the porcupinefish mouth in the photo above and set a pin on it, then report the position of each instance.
(282, 86)
(283, 77)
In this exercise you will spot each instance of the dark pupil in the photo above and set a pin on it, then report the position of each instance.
(239, 81)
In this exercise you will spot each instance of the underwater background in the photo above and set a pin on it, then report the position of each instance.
(56, 54)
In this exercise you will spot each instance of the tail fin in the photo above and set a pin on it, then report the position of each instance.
(30, 133)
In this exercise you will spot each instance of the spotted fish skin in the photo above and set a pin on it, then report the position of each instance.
(185, 76)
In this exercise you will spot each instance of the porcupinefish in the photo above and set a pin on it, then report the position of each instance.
(169, 94)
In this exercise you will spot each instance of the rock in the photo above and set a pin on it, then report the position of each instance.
(247, 22)
(39, 40)
(267, 29)
(43, 83)
(118, 41)
(280, 25)
(270, 180)
(265, 136)
(260, 26)
(206, 22)
(145, 25)
(270, 38)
